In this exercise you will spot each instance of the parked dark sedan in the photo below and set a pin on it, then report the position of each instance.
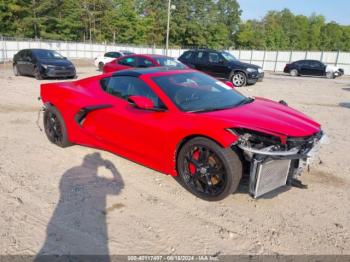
(312, 68)
(224, 65)
(42, 63)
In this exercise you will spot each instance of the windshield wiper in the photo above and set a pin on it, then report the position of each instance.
(209, 109)
(243, 102)
(248, 100)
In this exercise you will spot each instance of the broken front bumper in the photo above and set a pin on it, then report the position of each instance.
(270, 170)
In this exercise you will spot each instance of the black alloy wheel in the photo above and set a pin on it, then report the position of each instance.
(55, 128)
(208, 170)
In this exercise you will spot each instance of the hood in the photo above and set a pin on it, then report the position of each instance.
(269, 116)
(246, 65)
(56, 62)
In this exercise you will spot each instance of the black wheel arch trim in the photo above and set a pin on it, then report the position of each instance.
(239, 70)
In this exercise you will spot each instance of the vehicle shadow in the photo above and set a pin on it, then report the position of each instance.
(346, 88)
(78, 225)
(345, 104)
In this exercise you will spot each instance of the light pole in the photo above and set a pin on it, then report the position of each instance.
(170, 7)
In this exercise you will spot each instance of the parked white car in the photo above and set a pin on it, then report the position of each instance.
(100, 61)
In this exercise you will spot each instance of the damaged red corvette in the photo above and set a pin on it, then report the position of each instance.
(186, 124)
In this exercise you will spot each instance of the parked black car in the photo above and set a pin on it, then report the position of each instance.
(313, 68)
(223, 65)
(42, 63)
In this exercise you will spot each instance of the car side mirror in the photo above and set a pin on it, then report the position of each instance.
(141, 102)
(230, 84)
(222, 61)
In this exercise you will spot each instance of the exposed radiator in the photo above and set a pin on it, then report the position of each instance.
(267, 176)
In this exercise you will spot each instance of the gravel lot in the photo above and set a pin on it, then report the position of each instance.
(85, 201)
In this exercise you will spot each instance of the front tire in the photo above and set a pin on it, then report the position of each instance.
(239, 79)
(207, 170)
(55, 128)
(37, 74)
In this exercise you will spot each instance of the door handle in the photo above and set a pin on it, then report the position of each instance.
(84, 111)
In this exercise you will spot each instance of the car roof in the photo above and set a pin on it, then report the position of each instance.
(205, 49)
(148, 55)
(137, 72)
(307, 60)
(37, 49)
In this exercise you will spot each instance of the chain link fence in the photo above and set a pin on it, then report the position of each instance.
(268, 60)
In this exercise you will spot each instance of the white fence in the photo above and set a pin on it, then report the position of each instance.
(268, 60)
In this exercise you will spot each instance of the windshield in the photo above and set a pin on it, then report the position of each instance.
(198, 92)
(47, 54)
(170, 62)
(229, 57)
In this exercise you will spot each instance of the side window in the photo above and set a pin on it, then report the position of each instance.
(214, 58)
(314, 64)
(202, 57)
(129, 61)
(114, 54)
(144, 62)
(308, 63)
(27, 56)
(187, 55)
(302, 63)
(125, 86)
(107, 55)
(319, 64)
(20, 55)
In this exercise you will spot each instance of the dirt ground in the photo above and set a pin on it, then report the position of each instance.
(85, 201)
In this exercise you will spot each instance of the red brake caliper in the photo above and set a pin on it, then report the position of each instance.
(191, 166)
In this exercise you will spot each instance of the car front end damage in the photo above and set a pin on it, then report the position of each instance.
(275, 161)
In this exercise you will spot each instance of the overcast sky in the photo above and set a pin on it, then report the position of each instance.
(333, 10)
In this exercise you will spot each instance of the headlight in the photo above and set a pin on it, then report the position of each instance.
(255, 138)
(260, 70)
(46, 66)
(251, 70)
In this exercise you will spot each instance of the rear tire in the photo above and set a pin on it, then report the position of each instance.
(294, 73)
(214, 174)
(239, 79)
(55, 128)
(100, 66)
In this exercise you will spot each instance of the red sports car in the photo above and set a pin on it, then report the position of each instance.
(141, 61)
(186, 124)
